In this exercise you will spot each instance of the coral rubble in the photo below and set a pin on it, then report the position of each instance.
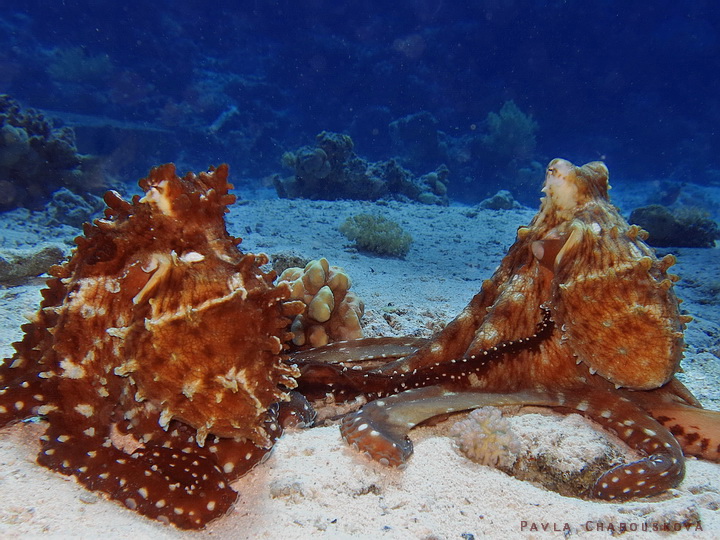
(685, 227)
(17, 265)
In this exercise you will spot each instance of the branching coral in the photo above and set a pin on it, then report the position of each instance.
(501, 151)
(332, 312)
(510, 133)
(377, 234)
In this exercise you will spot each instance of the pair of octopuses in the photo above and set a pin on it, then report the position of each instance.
(159, 356)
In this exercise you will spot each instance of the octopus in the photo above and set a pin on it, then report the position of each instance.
(157, 358)
(580, 316)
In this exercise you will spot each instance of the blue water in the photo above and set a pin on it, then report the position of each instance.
(633, 83)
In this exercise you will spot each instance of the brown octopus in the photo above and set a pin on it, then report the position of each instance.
(157, 354)
(580, 316)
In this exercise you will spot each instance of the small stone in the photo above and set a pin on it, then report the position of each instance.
(88, 497)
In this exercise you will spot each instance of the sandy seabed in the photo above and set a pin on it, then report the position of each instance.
(313, 485)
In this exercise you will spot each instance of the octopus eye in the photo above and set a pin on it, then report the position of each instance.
(551, 170)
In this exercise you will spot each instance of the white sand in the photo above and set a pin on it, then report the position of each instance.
(314, 485)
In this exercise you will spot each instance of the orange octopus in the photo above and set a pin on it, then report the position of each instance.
(156, 357)
(580, 316)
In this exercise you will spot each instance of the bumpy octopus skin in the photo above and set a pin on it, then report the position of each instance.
(157, 355)
(580, 316)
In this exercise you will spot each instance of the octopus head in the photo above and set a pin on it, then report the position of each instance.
(569, 187)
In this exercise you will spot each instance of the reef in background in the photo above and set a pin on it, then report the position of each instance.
(684, 227)
(498, 153)
(37, 159)
(331, 170)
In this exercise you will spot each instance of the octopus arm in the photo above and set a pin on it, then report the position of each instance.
(380, 430)
(22, 391)
(343, 367)
(663, 464)
(296, 411)
(697, 430)
(381, 427)
(360, 350)
(454, 339)
(186, 489)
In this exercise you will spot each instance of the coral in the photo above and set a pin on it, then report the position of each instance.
(502, 200)
(486, 437)
(685, 227)
(36, 158)
(416, 139)
(498, 153)
(71, 209)
(510, 134)
(331, 170)
(332, 312)
(377, 234)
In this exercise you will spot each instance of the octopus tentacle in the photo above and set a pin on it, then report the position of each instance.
(452, 341)
(24, 386)
(186, 489)
(361, 350)
(296, 411)
(663, 464)
(380, 430)
(697, 430)
(23, 401)
(319, 376)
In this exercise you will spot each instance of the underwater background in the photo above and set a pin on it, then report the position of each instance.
(403, 141)
(487, 91)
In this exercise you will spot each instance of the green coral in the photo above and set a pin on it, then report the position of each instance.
(377, 234)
